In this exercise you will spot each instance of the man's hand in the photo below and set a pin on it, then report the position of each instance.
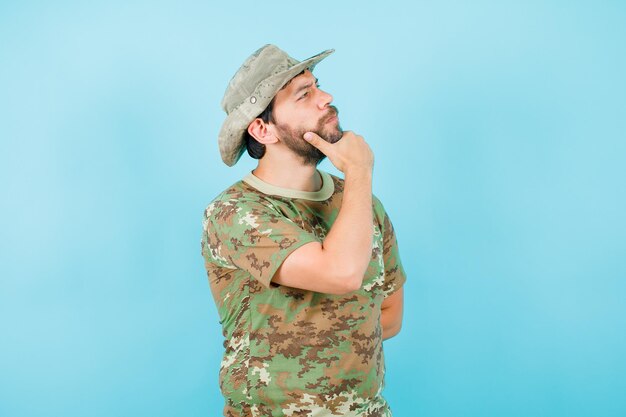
(349, 152)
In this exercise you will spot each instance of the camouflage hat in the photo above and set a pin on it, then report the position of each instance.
(251, 90)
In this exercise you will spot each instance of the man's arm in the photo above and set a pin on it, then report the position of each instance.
(391, 314)
(338, 265)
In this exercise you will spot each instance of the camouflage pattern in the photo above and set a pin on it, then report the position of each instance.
(292, 352)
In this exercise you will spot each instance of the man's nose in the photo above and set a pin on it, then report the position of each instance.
(325, 99)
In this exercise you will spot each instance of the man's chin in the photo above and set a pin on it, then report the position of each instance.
(332, 135)
(335, 136)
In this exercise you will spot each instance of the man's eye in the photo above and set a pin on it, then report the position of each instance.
(303, 95)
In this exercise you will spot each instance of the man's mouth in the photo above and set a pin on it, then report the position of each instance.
(332, 116)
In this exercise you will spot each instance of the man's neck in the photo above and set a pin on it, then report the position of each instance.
(291, 176)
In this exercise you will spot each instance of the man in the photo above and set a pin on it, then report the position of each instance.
(303, 265)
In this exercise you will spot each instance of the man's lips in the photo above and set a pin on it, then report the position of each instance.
(332, 115)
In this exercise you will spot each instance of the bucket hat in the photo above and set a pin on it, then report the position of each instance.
(251, 90)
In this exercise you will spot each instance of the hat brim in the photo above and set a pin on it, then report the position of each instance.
(231, 136)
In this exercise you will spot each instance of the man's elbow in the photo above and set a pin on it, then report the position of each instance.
(347, 284)
(346, 280)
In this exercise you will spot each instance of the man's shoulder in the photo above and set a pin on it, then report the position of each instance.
(235, 190)
(237, 198)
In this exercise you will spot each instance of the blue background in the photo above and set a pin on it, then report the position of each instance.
(499, 135)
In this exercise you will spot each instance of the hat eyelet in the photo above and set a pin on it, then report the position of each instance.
(253, 99)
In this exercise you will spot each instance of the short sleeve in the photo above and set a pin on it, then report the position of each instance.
(251, 235)
(395, 276)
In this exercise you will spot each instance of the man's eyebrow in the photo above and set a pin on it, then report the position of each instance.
(304, 87)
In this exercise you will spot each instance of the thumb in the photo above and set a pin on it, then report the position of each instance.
(318, 142)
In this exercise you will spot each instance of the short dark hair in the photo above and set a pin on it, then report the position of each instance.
(256, 149)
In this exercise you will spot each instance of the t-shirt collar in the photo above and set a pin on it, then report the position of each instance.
(327, 190)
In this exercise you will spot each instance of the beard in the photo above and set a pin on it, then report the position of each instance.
(310, 155)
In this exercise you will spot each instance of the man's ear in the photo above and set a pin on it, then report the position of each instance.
(262, 132)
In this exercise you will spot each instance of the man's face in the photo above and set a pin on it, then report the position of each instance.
(302, 107)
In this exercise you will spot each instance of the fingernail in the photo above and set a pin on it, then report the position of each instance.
(308, 135)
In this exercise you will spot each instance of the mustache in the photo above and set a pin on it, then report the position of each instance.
(331, 113)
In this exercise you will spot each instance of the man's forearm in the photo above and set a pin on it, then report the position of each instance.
(391, 313)
(349, 240)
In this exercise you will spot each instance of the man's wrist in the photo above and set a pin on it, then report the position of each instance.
(359, 172)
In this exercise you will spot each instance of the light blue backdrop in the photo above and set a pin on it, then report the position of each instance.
(499, 135)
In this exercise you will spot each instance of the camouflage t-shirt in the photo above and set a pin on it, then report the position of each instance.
(293, 352)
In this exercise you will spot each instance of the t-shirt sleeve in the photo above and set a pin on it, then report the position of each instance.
(395, 276)
(252, 235)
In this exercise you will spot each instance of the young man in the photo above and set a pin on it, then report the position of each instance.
(303, 265)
